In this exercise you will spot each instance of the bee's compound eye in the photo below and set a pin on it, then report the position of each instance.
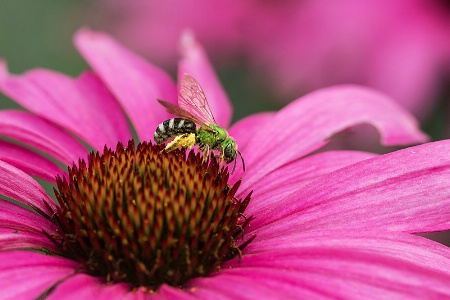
(229, 152)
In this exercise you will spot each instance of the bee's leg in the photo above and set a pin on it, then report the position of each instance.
(186, 140)
(206, 153)
(221, 155)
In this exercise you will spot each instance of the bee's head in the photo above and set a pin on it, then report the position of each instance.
(229, 152)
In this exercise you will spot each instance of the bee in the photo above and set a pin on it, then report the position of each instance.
(192, 110)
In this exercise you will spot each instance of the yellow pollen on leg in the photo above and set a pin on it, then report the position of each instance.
(186, 140)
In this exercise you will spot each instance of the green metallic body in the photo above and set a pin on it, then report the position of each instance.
(212, 138)
(217, 139)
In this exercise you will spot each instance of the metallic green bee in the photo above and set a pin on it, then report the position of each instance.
(193, 109)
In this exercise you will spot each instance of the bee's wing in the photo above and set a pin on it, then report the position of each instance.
(178, 111)
(193, 100)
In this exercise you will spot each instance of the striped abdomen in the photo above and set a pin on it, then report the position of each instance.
(173, 127)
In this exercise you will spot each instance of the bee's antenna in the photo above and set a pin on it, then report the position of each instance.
(234, 167)
(243, 164)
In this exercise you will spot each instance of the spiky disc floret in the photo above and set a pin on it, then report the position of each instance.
(147, 217)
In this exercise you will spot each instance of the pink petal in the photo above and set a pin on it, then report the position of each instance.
(134, 82)
(37, 132)
(196, 63)
(27, 275)
(23, 228)
(295, 175)
(82, 105)
(19, 186)
(82, 286)
(243, 130)
(29, 162)
(250, 284)
(169, 292)
(407, 190)
(344, 267)
(414, 249)
(15, 240)
(305, 125)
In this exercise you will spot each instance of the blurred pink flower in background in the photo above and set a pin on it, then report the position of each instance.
(330, 224)
(399, 47)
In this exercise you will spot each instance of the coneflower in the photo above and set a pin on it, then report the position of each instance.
(132, 221)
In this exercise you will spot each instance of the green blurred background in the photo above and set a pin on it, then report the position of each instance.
(38, 34)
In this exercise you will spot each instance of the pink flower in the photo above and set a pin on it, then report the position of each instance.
(399, 47)
(324, 224)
